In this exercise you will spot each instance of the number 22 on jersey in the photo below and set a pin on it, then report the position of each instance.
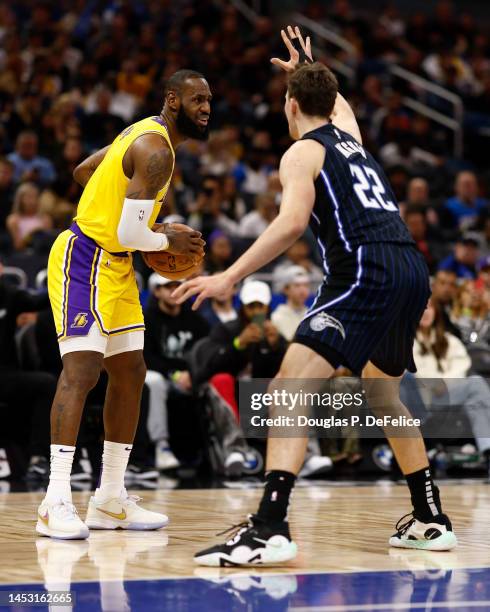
(369, 188)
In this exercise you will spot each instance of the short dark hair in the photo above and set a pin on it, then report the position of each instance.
(175, 82)
(315, 88)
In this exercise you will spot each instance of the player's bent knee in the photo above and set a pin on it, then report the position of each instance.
(79, 380)
(127, 369)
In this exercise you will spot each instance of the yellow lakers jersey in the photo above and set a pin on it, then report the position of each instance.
(100, 206)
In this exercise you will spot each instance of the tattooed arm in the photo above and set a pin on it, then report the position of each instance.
(84, 171)
(148, 164)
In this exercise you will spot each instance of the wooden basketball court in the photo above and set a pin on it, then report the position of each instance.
(342, 532)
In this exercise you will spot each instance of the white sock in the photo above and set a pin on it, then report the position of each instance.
(59, 475)
(114, 463)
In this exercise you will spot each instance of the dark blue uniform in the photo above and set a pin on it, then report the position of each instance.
(376, 283)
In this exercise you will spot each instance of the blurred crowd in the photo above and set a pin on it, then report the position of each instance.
(73, 74)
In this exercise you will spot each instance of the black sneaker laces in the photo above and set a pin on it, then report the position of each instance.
(234, 529)
(403, 527)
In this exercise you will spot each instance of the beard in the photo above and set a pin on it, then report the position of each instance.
(187, 127)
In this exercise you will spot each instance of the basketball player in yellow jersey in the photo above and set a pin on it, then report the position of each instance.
(96, 306)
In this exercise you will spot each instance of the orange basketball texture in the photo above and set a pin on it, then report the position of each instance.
(174, 267)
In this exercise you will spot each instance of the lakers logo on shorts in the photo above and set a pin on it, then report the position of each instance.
(80, 320)
(323, 320)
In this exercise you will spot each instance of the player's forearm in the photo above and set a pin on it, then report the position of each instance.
(343, 117)
(278, 237)
(84, 171)
(133, 231)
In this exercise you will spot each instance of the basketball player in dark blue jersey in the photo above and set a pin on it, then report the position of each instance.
(365, 314)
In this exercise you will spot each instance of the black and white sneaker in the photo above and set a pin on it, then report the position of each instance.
(254, 542)
(139, 471)
(436, 535)
(79, 472)
(38, 468)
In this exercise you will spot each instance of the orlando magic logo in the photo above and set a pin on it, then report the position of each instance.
(80, 320)
(322, 320)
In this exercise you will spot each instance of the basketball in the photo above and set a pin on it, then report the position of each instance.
(174, 267)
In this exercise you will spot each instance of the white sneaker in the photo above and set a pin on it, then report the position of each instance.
(60, 520)
(4, 464)
(122, 513)
(164, 457)
(316, 465)
(412, 533)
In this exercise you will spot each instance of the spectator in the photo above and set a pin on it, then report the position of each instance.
(28, 165)
(251, 173)
(26, 218)
(463, 260)
(466, 206)
(27, 395)
(250, 342)
(426, 238)
(298, 254)
(219, 310)
(101, 125)
(131, 81)
(206, 213)
(470, 314)
(221, 154)
(444, 291)
(443, 362)
(171, 331)
(296, 287)
(418, 195)
(218, 257)
(254, 223)
(233, 204)
(418, 191)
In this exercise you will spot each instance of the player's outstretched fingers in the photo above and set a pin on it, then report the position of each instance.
(201, 296)
(306, 45)
(184, 291)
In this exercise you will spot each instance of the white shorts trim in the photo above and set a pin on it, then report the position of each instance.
(107, 345)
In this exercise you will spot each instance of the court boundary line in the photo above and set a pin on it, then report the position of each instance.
(251, 571)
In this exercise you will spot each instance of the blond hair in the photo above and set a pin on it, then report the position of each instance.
(19, 196)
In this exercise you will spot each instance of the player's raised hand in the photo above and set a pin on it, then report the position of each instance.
(204, 287)
(290, 37)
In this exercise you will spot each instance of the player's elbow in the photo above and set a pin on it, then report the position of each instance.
(295, 227)
(76, 174)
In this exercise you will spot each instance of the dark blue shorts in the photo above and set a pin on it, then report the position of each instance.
(368, 309)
